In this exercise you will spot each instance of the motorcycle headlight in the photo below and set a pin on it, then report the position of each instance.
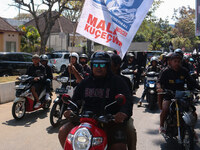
(151, 92)
(70, 138)
(97, 141)
(151, 85)
(64, 79)
(189, 118)
(82, 139)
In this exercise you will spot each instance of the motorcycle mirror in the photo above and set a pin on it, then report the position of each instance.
(120, 99)
(66, 98)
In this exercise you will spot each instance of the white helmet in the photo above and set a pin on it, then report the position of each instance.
(154, 58)
(74, 54)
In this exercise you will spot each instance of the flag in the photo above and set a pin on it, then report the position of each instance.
(113, 23)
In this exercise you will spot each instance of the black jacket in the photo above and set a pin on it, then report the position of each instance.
(97, 93)
(49, 74)
(37, 71)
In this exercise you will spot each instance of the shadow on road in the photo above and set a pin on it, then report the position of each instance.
(52, 129)
(28, 119)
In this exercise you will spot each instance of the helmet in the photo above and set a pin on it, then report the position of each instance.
(169, 55)
(179, 51)
(154, 58)
(43, 57)
(128, 55)
(74, 54)
(116, 59)
(100, 57)
(191, 60)
(162, 56)
(175, 55)
(189, 118)
(83, 56)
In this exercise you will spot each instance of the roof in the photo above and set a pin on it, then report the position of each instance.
(62, 24)
(5, 26)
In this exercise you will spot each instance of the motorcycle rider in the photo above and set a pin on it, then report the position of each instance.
(74, 70)
(172, 78)
(37, 70)
(49, 75)
(97, 91)
(83, 60)
(152, 67)
(131, 63)
(130, 129)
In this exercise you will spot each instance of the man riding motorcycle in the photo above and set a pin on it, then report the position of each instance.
(131, 63)
(37, 70)
(49, 75)
(130, 129)
(96, 92)
(83, 59)
(152, 67)
(74, 70)
(172, 78)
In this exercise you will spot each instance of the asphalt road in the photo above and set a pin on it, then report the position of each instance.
(34, 131)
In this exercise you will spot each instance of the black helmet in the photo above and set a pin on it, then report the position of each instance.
(100, 57)
(116, 59)
(175, 56)
(43, 57)
(83, 56)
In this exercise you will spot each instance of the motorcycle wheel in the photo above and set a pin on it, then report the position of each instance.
(188, 139)
(18, 110)
(47, 105)
(55, 115)
(151, 101)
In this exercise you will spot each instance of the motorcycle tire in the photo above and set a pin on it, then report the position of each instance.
(55, 115)
(18, 110)
(151, 101)
(188, 139)
(47, 105)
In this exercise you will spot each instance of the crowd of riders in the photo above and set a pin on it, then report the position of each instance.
(98, 79)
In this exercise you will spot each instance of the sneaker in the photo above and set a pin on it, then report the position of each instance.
(47, 98)
(37, 105)
(162, 130)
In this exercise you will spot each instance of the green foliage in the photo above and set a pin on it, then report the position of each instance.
(30, 40)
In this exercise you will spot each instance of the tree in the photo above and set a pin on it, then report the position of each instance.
(32, 7)
(184, 30)
(30, 39)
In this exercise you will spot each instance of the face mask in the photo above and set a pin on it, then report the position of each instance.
(83, 62)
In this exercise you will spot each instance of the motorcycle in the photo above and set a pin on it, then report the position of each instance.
(151, 93)
(181, 119)
(24, 101)
(130, 74)
(89, 135)
(58, 108)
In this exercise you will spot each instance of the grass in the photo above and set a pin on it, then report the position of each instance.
(13, 78)
(8, 79)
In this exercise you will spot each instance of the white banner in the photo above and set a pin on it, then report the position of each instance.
(113, 23)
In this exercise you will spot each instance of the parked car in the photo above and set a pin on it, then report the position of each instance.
(59, 59)
(14, 63)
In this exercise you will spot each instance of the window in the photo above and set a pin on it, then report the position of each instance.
(11, 46)
(27, 58)
(66, 56)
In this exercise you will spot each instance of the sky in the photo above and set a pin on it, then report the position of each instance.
(165, 10)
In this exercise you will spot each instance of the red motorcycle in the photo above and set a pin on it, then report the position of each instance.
(24, 101)
(89, 135)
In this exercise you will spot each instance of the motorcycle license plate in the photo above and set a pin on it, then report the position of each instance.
(61, 91)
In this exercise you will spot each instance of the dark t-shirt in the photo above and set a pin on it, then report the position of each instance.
(97, 93)
(175, 80)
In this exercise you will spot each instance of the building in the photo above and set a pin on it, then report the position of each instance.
(61, 36)
(10, 37)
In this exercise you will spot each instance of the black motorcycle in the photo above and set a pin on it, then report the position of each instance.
(151, 93)
(181, 119)
(58, 108)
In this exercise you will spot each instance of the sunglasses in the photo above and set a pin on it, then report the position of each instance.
(99, 65)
